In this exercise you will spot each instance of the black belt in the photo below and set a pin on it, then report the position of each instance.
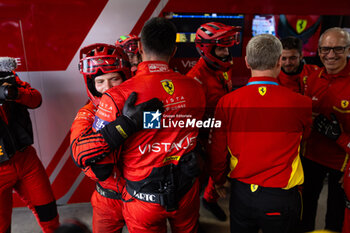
(254, 188)
(157, 198)
(22, 149)
(166, 185)
(109, 193)
(154, 197)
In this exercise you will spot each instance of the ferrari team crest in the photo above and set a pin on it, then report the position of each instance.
(225, 76)
(304, 79)
(254, 187)
(344, 103)
(168, 86)
(301, 25)
(262, 91)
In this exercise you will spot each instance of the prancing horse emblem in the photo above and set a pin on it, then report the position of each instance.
(168, 86)
(262, 91)
(344, 103)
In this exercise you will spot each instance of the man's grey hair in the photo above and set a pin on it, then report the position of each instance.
(263, 52)
(340, 31)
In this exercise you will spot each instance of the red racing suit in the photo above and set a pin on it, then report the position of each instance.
(215, 84)
(330, 94)
(296, 81)
(85, 144)
(151, 151)
(22, 170)
(263, 124)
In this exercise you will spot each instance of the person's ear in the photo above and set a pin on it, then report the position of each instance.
(174, 51)
(279, 62)
(347, 51)
(139, 44)
(246, 62)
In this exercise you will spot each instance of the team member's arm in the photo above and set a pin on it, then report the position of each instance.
(128, 121)
(217, 161)
(331, 129)
(22, 93)
(89, 150)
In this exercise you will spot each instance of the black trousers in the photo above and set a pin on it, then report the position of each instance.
(314, 179)
(273, 210)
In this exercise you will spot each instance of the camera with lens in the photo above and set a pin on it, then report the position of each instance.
(8, 92)
(8, 88)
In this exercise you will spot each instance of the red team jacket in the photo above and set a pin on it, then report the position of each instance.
(296, 82)
(28, 96)
(85, 142)
(330, 94)
(263, 124)
(182, 97)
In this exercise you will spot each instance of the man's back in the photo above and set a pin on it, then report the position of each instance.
(182, 98)
(264, 126)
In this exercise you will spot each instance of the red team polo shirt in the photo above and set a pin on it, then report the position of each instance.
(262, 126)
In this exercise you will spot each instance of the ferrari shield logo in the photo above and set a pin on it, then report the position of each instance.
(304, 79)
(225, 75)
(254, 187)
(262, 91)
(301, 25)
(168, 86)
(344, 103)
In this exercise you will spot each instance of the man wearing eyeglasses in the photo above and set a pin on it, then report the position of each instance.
(327, 150)
(294, 71)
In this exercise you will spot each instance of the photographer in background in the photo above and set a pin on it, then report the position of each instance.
(20, 168)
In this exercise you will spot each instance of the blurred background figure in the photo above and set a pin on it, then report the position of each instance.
(130, 46)
(294, 71)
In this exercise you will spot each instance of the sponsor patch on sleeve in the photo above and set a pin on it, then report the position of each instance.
(99, 123)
